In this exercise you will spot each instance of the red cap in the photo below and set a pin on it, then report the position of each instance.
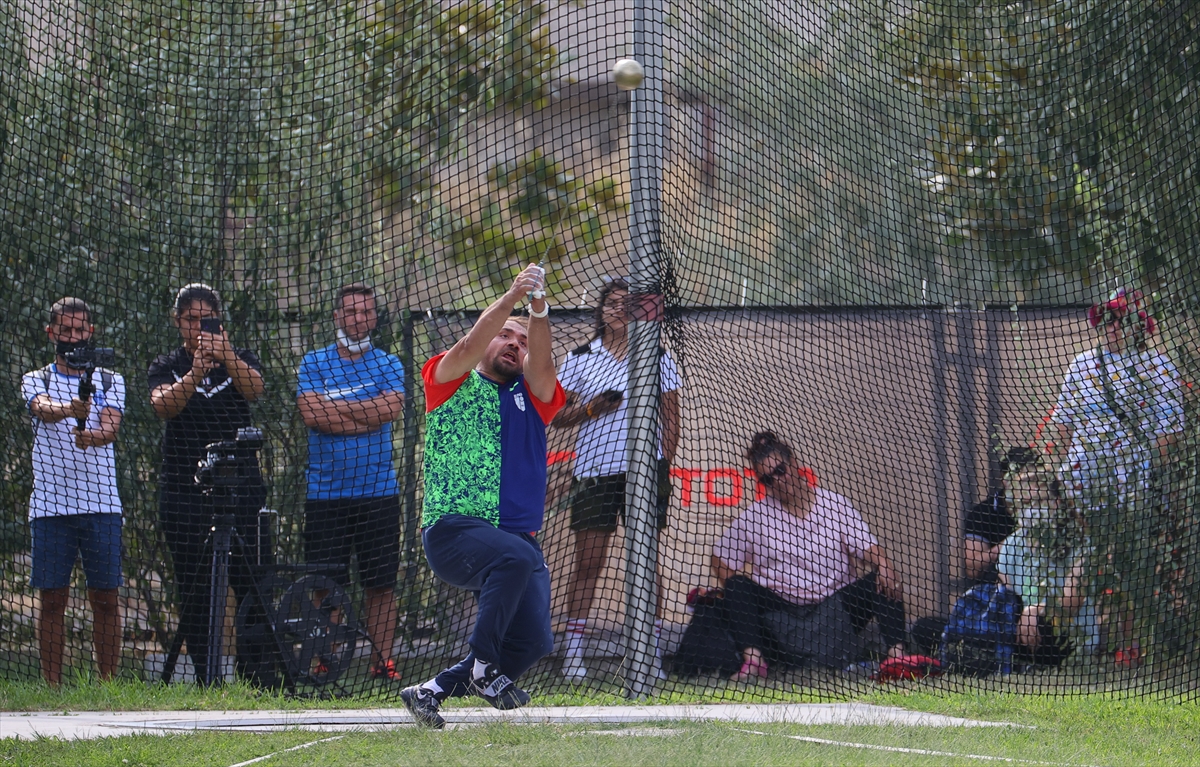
(1118, 306)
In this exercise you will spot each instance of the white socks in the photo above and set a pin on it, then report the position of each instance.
(573, 667)
(480, 669)
(433, 687)
(658, 654)
(575, 631)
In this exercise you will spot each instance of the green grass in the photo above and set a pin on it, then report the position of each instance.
(1112, 729)
(1083, 730)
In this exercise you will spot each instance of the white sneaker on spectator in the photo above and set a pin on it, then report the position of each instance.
(659, 671)
(573, 669)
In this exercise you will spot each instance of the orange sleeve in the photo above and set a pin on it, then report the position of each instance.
(436, 394)
(547, 410)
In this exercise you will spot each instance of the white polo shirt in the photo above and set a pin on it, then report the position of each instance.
(600, 449)
(66, 479)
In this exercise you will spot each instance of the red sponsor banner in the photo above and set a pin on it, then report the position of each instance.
(724, 486)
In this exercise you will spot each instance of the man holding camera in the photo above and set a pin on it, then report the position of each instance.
(75, 510)
(349, 394)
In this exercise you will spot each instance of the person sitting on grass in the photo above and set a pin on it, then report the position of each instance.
(990, 521)
(1043, 562)
(788, 565)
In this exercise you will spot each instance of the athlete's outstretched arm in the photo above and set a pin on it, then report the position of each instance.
(539, 363)
(470, 349)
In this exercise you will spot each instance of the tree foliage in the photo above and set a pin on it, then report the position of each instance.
(535, 211)
(810, 129)
(1062, 134)
(253, 145)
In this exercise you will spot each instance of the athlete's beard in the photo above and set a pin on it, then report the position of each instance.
(506, 369)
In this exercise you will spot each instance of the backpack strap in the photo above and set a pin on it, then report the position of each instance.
(106, 380)
(43, 374)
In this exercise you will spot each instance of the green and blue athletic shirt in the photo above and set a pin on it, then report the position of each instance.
(485, 449)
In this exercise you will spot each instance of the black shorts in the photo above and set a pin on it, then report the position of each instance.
(366, 527)
(598, 503)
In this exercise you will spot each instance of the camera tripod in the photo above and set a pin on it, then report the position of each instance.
(296, 629)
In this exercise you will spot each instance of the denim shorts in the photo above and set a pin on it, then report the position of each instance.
(58, 540)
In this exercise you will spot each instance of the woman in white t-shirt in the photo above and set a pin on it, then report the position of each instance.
(596, 379)
(797, 553)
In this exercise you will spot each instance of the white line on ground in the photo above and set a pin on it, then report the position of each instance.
(918, 751)
(633, 732)
(96, 724)
(258, 759)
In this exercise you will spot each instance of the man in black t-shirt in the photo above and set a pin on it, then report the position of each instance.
(203, 391)
(989, 522)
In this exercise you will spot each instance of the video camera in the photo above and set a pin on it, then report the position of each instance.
(89, 358)
(228, 463)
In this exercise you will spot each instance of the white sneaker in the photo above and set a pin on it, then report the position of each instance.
(573, 669)
(658, 669)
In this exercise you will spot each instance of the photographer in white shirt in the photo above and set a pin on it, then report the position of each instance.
(75, 510)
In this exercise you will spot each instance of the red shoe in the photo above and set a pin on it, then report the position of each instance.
(386, 671)
(1128, 657)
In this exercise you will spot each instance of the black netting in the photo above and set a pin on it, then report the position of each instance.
(877, 324)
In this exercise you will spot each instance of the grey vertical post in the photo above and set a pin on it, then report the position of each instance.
(967, 403)
(411, 515)
(993, 359)
(941, 449)
(647, 128)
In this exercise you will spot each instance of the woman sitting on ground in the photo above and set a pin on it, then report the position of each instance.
(795, 553)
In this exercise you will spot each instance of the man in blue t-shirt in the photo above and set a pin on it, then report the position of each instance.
(349, 394)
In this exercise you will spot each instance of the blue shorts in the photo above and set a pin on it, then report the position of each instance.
(94, 538)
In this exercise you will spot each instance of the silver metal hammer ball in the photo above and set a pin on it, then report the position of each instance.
(628, 74)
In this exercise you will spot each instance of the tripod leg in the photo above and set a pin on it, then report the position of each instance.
(168, 669)
(222, 535)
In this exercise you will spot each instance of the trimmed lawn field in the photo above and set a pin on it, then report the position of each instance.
(1092, 730)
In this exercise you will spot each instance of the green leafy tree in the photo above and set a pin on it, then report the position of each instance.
(536, 211)
(1062, 133)
(252, 145)
(813, 131)
(998, 158)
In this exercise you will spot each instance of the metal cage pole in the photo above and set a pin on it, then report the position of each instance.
(646, 142)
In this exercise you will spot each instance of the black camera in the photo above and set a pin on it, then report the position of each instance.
(89, 358)
(230, 462)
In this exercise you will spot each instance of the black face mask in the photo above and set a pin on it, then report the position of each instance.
(63, 348)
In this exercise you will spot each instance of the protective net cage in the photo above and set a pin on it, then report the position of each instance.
(876, 321)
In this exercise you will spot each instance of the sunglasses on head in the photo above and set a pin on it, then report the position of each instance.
(769, 478)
